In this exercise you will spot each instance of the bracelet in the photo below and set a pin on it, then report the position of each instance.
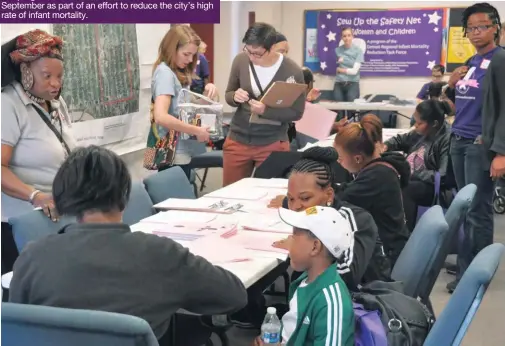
(32, 195)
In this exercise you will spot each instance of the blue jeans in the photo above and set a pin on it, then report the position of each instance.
(346, 91)
(471, 165)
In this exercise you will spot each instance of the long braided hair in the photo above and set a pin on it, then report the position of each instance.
(321, 162)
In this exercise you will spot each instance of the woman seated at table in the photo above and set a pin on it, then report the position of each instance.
(427, 148)
(379, 180)
(100, 264)
(36, 133)
(313, 182)
(435, 92)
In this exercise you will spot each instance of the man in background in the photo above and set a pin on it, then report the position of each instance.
(281, 44)
(437, 76)
(502, 35)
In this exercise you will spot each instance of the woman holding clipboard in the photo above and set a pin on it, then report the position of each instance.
(253, 72)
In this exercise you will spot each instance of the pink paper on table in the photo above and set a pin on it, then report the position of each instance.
(219, 250)
(316, 121)
(258, 241)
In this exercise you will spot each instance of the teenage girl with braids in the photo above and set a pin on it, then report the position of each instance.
(478, 128)
(379, 180)
(312, 182)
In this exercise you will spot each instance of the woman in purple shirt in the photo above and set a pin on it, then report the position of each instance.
(481, 23)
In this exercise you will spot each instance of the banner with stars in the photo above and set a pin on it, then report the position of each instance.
(394, 42)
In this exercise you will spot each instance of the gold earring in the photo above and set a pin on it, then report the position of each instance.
(26, 77)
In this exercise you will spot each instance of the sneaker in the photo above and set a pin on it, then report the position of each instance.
(451, 286)
(451, 268)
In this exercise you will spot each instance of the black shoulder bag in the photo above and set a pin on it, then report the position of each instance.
(58, 135)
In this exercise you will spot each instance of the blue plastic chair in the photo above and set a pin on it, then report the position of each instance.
(169, 183)
(455, 216)
(455, 319)
(417, 257)
(139, 205)
(204, 159)
(49, 326)
(35, 225)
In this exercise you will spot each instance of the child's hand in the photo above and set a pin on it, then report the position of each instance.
(258, 341)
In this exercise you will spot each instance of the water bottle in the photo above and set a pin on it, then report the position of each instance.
(271, 328)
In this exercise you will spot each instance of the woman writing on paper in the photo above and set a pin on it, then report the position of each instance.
(252, 73)
(36, 134)
(349, 60)
(173, 71)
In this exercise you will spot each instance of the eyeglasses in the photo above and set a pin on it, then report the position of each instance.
(478, 28)
(254, 54)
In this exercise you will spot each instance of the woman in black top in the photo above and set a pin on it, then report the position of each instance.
(378, 182)
(312, 182)
(427, 148)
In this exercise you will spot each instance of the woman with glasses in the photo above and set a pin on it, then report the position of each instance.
(253, 71)
(481, 24)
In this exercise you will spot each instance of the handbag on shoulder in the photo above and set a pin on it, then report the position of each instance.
(160, 151)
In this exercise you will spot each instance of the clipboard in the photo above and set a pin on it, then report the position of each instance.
(283, 94)
(279, 95)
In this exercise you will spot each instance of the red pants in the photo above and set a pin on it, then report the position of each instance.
(240, 159)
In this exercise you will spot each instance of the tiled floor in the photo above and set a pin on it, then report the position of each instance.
(487, 328)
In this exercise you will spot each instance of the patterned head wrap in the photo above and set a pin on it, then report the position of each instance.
(36, 44)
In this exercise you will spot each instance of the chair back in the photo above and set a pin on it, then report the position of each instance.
(455, 217)
(417, 257)
(169, 183)
(302, 140)
(139, 205)
(453, 322)
(35, 225)
(49, 326)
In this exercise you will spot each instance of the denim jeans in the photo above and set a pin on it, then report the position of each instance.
(346, 91)
(471, 165)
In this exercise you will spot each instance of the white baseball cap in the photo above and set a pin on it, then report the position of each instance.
(328, 224)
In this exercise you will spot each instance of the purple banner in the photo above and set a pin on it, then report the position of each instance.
(109, 12)
(396, 42)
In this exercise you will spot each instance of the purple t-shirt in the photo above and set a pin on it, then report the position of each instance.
(202, 70)
(468, 122)
(423, 93)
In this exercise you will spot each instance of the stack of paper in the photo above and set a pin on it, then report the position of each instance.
(276, 183)
(269, 223)
(180, 217)
(239, 192)
(247, 193)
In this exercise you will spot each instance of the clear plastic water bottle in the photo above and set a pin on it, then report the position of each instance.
(271, 328)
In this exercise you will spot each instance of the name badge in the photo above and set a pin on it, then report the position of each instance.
(485, 64)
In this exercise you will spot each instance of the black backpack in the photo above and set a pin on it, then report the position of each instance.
(406, 320)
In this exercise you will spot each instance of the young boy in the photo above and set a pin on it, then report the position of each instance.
(320, 306)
